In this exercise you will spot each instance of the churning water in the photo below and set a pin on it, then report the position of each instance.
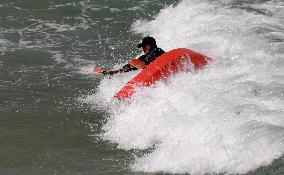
(227, 118)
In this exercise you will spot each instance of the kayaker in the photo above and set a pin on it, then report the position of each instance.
(151, 52)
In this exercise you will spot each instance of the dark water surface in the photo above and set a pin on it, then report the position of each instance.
(43, 130)
(43, 47)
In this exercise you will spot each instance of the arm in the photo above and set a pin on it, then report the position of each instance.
(125, 68)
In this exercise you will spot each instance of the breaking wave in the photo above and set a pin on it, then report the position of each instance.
(226, 118)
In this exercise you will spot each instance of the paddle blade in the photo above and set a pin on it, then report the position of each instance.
(137, 63)
(97, 70)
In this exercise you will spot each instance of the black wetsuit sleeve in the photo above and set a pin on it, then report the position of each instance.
(147, 59)
(128, 67)
(143, 58)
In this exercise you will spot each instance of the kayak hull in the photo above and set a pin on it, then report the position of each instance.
(168, 63)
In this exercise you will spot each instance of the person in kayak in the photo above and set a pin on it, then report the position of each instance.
(151, 52)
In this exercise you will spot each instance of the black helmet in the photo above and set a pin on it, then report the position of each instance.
(147, 41)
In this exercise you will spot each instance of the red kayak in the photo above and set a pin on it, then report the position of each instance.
(162, 67)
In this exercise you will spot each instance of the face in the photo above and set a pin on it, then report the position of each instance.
(146, 49)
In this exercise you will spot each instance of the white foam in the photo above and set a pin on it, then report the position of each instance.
(227, 118)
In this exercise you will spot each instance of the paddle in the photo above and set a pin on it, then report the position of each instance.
(134, 63)
(137, 63)
(97, 70)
